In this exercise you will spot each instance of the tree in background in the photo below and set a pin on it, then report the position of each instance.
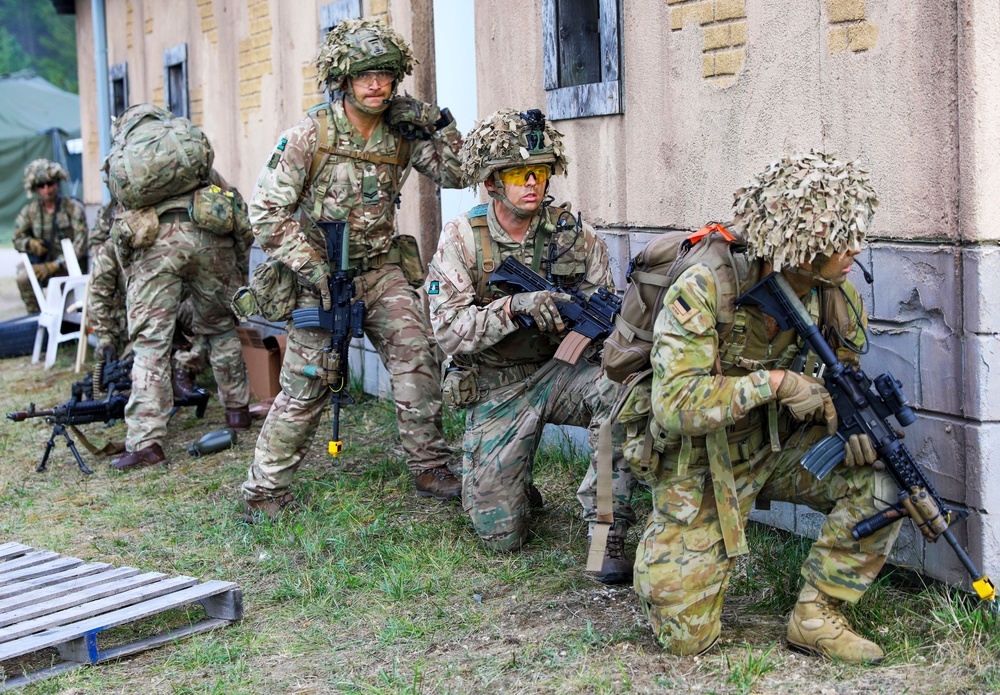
(34, 37)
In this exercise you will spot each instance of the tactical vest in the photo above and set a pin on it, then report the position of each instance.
(565, 247)
(52, 229)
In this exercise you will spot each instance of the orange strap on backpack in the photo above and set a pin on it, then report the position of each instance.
(708, 229)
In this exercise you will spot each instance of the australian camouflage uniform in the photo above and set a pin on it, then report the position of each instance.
(357, 182)
(505, 375)
(67, 221)
(726, 444)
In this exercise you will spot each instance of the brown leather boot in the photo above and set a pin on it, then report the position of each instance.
(238, 418)
(817, 626)
(147, 456)
(439, 483)
(254, 511)
(183, 383)
(615, 569)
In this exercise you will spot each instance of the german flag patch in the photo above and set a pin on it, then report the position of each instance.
(681, 310)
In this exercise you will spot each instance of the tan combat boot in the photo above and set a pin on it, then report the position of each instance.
(818, 627)
(254, 511)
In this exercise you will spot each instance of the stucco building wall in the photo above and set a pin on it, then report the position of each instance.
(713, 90)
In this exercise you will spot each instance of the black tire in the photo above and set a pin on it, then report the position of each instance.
(17, 336)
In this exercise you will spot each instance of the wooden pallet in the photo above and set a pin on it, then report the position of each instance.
(47, 600)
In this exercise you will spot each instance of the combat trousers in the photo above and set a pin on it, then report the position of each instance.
(503, 433)
(682, 569)
(182, 257)
(397, 327)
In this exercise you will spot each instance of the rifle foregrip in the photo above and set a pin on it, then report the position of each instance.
(867, 527)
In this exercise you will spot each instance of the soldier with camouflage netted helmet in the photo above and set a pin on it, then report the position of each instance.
(347, 160)
(739, 407)
(42, 224)
(503, 373)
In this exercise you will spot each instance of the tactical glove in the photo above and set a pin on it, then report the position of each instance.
(859, 451)
(323, 287)
(37, 247)
(44, 271)
(412, 117)
(807, 400)
(541, 306)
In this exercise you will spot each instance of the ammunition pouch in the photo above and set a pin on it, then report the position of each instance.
(271, 293)
(134, 229)
(459, 387)
(405, 252)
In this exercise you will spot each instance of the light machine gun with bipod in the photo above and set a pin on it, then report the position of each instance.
(113, 381)
(863, 408)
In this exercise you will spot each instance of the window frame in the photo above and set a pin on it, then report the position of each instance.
(172, 57)
(330, 16)
(602, 98)
(118, 73)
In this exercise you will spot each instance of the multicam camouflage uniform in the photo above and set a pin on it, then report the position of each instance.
(362, 193)
(183, 257)
(106, 313)
(67, 221)
(715, 403)
(521, 388)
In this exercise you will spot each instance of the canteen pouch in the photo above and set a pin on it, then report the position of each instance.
(409, 258)
(271, 293)
(134, 229)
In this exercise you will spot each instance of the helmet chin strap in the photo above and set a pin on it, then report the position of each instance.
(371, 111)
(498, 194)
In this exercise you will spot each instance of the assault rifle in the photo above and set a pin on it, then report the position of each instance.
(588, 318)
(114, 380)
(345, 320)
(863, 408)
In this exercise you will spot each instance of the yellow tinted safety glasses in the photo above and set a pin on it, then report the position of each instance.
(519, 176)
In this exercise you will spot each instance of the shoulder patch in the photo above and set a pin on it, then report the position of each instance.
(479, 210)
(681, 309)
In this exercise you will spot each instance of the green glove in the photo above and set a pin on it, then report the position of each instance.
(412, 117)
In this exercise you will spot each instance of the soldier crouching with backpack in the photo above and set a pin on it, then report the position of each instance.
(176, 231)
(502, 372)
(346, 161)
(737, 419)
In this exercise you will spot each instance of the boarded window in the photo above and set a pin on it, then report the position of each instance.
(118, 75)
(582, 57)
(175, 81)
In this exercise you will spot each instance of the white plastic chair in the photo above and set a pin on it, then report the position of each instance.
(55, 303)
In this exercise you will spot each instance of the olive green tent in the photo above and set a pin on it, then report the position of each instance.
(36, 120)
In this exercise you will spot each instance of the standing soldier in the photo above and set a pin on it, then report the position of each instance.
(47, 219)
(738, 418)
(503, 373)
(346, 161)
(164, 253)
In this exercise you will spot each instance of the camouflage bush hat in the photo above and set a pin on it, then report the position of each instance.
(41, 170)
(356, 45)
(508, 138)
(804, 206)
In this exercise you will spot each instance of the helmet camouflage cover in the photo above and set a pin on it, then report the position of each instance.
(356, 45)
(41, 170)
(508, 138)
(804, 206)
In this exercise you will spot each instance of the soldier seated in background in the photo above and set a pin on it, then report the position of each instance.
(739, 419)
(503, 373)
(47, 219)
(346, 160)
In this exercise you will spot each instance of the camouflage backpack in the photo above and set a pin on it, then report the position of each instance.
(155, 156)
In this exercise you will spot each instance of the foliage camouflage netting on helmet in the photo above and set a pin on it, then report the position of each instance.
(803, 206)
(501, 140)
(41, 170)
(356, 45)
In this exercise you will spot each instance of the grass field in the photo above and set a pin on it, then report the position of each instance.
(367, 588)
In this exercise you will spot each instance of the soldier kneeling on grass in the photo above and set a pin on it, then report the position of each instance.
(712, 395)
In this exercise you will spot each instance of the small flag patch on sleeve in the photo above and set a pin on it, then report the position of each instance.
(681, 310)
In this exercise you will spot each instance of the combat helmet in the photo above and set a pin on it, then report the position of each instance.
(357, 45)
(509, 138)
(805, 206)
(41, 170)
